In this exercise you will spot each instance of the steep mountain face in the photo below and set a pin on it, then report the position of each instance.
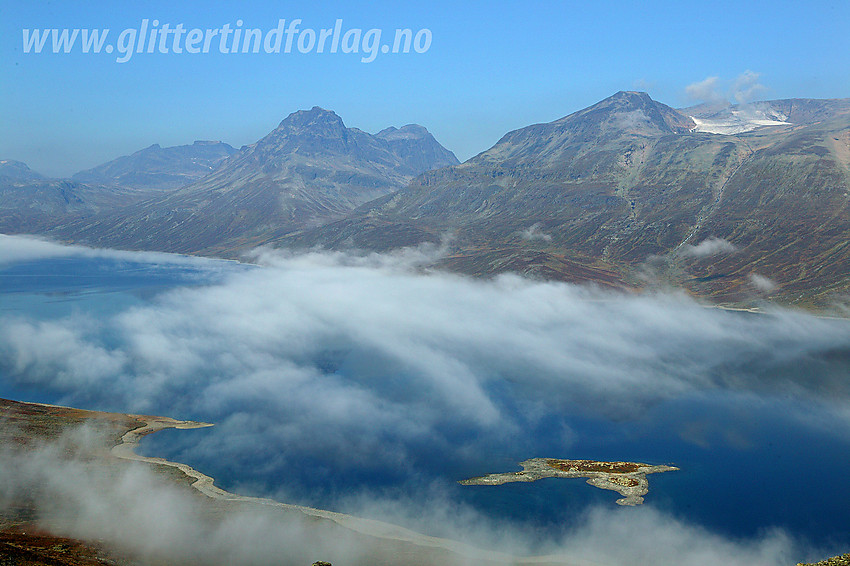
(417, 148)
(575, 173)
(787, 211)
(627, 189)
(313, 157)
(309, 170)
(159, 168)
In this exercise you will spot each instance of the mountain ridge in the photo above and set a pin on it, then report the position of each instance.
(627, 192)
(156, 168)
(626, 184)
(310, 169)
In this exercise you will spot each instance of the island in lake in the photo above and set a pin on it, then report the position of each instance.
(626, 478)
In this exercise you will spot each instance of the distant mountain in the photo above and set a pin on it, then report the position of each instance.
(12, 171)
(739, 118)
(624, 115)
(735, 203)
(159, 168)
(417, 147)
(37, 205)
(30, 202)
(309, 170)
(626, 190)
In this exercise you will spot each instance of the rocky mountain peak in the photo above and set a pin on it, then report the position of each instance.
(631, 95)
(633, 112)
(316, 120)
(410, 132)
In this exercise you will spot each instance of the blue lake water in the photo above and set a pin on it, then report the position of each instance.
(748, 472)
(51, 289)
(748, 462)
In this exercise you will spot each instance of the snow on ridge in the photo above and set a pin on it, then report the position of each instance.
(730, 122)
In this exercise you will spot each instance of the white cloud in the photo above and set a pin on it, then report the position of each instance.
(131, 510)
(534, 232)
(19, 248)
(705, 90)
(644, 85)
(31, 248)
(708, 247)
(762, 283)
(747, 87)
(328, 340)
(744, 89)
(58, 354)
(365, 362)
(659, 539)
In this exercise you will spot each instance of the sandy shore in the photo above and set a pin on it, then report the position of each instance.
(378, 529)
(132, 428)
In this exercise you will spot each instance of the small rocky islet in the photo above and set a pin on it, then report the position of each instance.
(626, 478)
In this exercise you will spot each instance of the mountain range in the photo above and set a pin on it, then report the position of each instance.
(730, 202)
(31, 202)
(629, 192)
(309, 170)
(159, 168)
(209, 198)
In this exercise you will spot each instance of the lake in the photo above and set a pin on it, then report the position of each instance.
(752, 458)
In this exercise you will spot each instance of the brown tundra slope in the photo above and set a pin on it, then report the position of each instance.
(625, 191)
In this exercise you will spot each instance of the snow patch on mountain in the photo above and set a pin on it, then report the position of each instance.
(742, 119)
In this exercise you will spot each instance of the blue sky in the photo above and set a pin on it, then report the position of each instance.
(491, 67)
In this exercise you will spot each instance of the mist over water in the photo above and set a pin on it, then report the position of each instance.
(365, 385)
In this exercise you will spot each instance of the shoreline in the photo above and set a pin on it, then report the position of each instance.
(243, 258)
(205, 485)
